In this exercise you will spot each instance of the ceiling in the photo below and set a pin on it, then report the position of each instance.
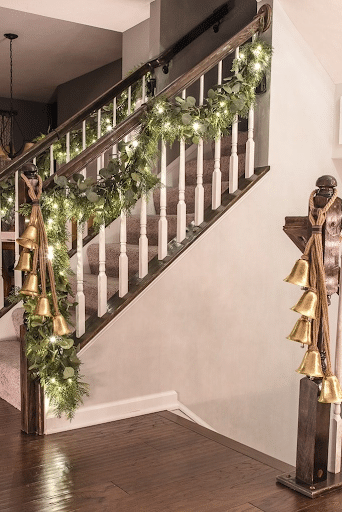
(320, 24)
(51, 51)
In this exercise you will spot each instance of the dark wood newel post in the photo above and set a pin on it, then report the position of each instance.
(311, 476)
(31, 392)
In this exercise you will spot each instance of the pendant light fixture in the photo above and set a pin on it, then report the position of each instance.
(7, 146)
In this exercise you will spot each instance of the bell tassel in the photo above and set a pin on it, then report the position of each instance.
(301, 331)
(43, 307)
(311, 364)
(299, 275)
(307, 304)
(331, 390)
(60, 326)
(24, 262)
(30, 286)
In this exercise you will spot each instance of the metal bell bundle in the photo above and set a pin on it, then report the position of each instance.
(30, 286)
(29, 239)
(331, 391)
(43, 307)
(24, 263)
(301, 331)
(311, 364)
(307, 304)
(299, 275)
(60, 326)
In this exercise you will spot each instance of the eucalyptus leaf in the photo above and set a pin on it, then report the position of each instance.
(186, 119)
(77, 177)
(135, 176)
(191, 101)
(82, 186)
(65, 342)
(236, 87)
(68, 373)
(211, 93)
(92, 196)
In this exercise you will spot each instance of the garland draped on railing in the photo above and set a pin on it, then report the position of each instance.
(117, 188)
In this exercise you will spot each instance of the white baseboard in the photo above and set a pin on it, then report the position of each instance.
(103, 413)
(193, 416)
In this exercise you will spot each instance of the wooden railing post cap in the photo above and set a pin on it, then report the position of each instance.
(326, 181)
(266, 10)
(30, 170)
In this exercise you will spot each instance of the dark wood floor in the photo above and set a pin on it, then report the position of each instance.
(153, 463)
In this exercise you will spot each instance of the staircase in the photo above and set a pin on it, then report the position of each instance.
(234, 181)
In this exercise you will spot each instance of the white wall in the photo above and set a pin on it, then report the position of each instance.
(213, 326)
(135, 46)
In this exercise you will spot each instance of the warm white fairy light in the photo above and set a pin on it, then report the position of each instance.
(222, 104)
(53, 380)
(257, 66)
(196, 126)
(218, 114)
(70, 381)
(166, 125)
(52, 339)
(241, 56)
(109, 128)
(135, 143)
(10, 199)
(50, 221)
(160, 110)
(55, 206)
(50, 252)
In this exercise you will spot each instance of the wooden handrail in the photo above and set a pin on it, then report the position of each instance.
(116, 90)
(260, 23)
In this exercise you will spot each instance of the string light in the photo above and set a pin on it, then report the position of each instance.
(196, 126)
(50, 252)
(257, 66)
(52, 339)
(160, 110)
(135, 143)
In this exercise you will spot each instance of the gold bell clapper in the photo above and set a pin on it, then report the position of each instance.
(60, 326)
(301, 331)
(307, 304)
(43, 307)
(24, 262)
(331, 391)
(311, 364)
(299, 275)
(29, 239)
(30, 286)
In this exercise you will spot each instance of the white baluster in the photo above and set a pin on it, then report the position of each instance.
(335, 435)
(18, 282)
(217, 175)
(123, 259)
(52, 167)
(181, 206)
(102, 277)
(162, 223)
(69, 222)
(143, 240)
(115, 147)
(143, 93)
(84, 171)
(129, 100)
(34, 161)
(234, 159)
(80, 299)
(99, 160)
(250, 146)
(199, 191)
(2, 295)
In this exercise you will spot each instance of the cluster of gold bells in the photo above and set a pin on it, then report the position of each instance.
(34, 252)
(302, 333)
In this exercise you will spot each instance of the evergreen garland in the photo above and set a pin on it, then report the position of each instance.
(117, 188)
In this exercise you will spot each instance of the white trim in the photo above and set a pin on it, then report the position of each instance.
(167, 269)
(192, 416)
(340, 127)
(113, 411)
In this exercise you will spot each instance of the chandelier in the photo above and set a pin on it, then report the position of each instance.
(7, 117)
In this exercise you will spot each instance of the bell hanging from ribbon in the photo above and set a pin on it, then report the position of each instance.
(301, 331)
(30, 286)
(24, 262)
(43, 307)
(307, 304)
(299, 275)
(60, 326)
(331, 391)
(29, 239)
(311, 364)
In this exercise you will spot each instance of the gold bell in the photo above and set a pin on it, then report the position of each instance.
(60, 326)
(29, 238)
(30, 286)
(43, 307)
(299, 274)
(307, 304)
(24, 262)
(311, 364)
(301, 331)
(331, 391)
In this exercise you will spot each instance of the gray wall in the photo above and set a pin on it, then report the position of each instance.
(135, 46)
(33, 118)
(77, 93)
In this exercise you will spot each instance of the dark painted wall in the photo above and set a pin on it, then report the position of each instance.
(77, 93)
(33, 118)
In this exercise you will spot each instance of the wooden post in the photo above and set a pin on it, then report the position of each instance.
(311, 477)
(32, 396)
